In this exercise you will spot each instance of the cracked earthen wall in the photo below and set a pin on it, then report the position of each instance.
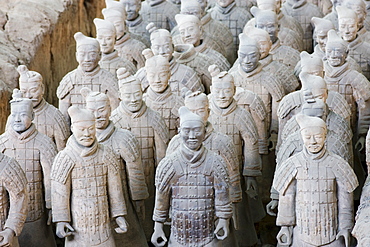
(39, 34)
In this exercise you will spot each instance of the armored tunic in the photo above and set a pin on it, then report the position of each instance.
(35, 153)
(360, 230)
(182, 76)
(68, 91)
(161, 14)
(215, 56)
(290, 23)
(167, 105)
(112, 62)
(284, 54)
(87, 193)
(125, 145)
(303, 11)
(356, 89)
(130, 49)
(13, 196)
(193, 208)
(233, 17)
(360, 52)
(315, 196)
(365, 34)
(138, 28)
(222, 145)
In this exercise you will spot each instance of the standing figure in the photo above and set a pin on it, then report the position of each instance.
(14, 199)
(182, 76)
(160, 12)
(86, 187)
(359, 7)
(87, 74)
(127, 47)
(35, 153)
(106, 36)
(194, 209)
(148, 127)
(47, 119)
(315, 192)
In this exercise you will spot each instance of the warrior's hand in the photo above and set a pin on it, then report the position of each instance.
(252, 187)
(122, 225)
(158, 238)
(284, 236)
(345, 233)
(50, 217)
(6, 237)
(61, 229)
(272, 141)
(223, 228)
(140, 209)
(360, 144)
(271, 206)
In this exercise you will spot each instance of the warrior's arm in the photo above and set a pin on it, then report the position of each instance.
(116, 200)
(162, 204)
(252, 160)
(345, 208)
(223, 206)
(64, 104)
(286, 214)
(61, 133)
(160, 147)
(61, 200)
(47, 158)
(274, 126)
(363, 118)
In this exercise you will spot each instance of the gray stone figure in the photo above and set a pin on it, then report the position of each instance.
(360, 230)
(333, 15)
(160, 12)
(359, 7)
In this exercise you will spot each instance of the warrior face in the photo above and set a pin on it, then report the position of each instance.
(88, 57)
(314, 138)
(336, 54)
(224, 3)
(162, 46)
(84, 132)
(132, 8)
(360, 11)
(348, 29)
(101, 111)
(107, 40)
(222, 93)
(132, 96)
(322, 39)
(158, 77)
(192, 133)
(270, 25)
(265, 46)
(119, 24)
(200, 108)
(21, 116)
(190, 33)
(32, 90)
(248, 57)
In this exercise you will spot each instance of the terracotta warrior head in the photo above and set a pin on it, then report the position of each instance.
(312, 64)
(316, 85)
(223, 87)
(21, 112)
(336, 49)
(117, 19)
(322, 27)
(248, 53)
(82, 125)
(348, 23)
(105, 35)
(161, 41)
(190, 29)
(197, 102)
(266, 20)
(87, 52)
(31, 85)
(262, 38)
(313, 132)
(192, 129)
(359, 7)
(113, 4)
(192, 7)
(268, 5)
(315, 108)
(132, 8)
(158, 73)
(131, 94)
(98, 104)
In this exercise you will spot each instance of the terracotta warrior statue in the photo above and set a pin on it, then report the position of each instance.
(299, 200)
(360, 230)
(249, 75)
(280, 71)
(230, 119)
(126, 46)
(269, 18)
(125, 145)
(303, 12)
(190, 29)
(86, 187)
(359, 7)
(182, 76)
(106, 36)
(48, 120)
(159, 96)
(134, 21)
(232, 16)
(357, 48)
(351, 84)
(333, 15)
(160, 12)
(148, 127)
(14, 200)
(194, 209)
(35, 153)
(87, 74)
